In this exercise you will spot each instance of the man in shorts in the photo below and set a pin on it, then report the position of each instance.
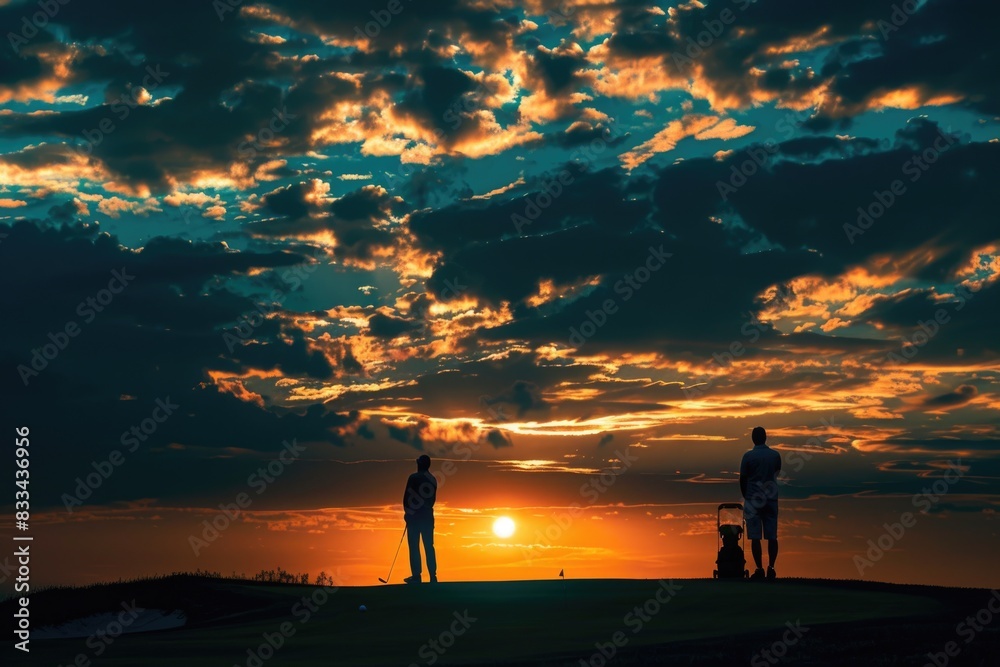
(759, 486)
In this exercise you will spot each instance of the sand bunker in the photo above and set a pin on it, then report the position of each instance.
(130, 621)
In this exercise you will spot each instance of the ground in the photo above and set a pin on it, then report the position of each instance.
(555, 623)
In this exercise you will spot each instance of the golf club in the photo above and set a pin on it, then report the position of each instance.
(386, 580)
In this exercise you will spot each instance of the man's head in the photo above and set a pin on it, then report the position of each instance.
(759, 435)
(423, 462)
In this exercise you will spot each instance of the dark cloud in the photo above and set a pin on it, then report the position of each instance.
(604, 231)
(498, 438)
(524, 396)
(289, 201)
(237, 101)
(436, 95)
(360, 220)
(67, 211)
(819, 202)
(938, 325)
(381, 325)
(583, 133)
(158, 337)
(962, 394)
(872, 49)
(409, 435)
(518, 377)
(558, 69)
(229, 96)
(794, 218)
(929, 50)
(348, 362)
(812, 148)
(528, 211)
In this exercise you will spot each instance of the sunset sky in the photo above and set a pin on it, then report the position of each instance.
(574, 250)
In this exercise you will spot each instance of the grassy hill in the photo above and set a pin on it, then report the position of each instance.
(617, 622)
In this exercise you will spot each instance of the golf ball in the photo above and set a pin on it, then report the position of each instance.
(362, 608)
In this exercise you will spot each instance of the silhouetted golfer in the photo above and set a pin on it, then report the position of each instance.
(759, 486)
(418, 512)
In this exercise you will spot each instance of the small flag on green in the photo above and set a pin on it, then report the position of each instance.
(562, 573)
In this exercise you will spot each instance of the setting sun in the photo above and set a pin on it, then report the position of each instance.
(504, 526)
